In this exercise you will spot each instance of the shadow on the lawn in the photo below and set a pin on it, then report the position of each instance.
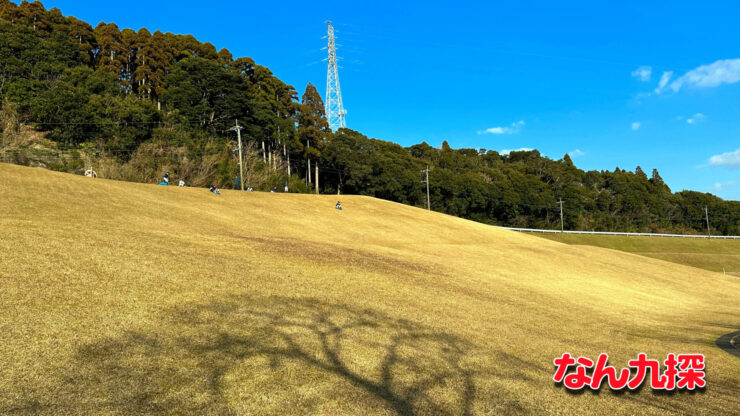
(286, 344)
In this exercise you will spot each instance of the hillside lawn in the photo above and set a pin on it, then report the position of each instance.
(717, 255)
(126, 298)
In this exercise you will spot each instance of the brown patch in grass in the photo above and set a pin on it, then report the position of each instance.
(338, 255)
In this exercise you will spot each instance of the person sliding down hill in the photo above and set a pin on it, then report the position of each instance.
(338, 206)
(214, 190)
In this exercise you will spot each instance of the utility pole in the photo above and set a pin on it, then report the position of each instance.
(285, 153)
(429, 203)
(706, 212)
(562, 228)
(238, 129)
(308, 161)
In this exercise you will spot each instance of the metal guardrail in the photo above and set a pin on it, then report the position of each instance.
(534, 230)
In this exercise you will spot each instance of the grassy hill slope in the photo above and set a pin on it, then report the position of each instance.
(128, 298)
(716, 255)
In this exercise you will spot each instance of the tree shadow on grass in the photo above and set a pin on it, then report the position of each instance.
(278, 355)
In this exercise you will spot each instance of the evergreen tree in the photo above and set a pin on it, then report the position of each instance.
(34, 15)
(567, 160)
(112, 54)
(313, 128)
(657, 181)
(83, 35)
(640, 174)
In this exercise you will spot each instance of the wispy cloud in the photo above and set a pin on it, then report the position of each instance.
(721, 186)
(729, 160)
(521, 149)
(576, 153)
(512, 129)
(724, 71)
(695, 118)
(636, 125)
(663, 81)
(643, 73)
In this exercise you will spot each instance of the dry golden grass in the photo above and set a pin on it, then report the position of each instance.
(123, 298)
(716, 255)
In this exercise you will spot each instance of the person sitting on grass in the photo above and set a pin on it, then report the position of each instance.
(214, 190)
(182, 183)
(166, 178)
(338, 206)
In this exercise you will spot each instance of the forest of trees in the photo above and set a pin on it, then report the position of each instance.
(143, 103)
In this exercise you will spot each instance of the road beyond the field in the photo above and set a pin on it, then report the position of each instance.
(730, 343)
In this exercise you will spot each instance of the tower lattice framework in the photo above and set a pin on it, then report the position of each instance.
(333, 103)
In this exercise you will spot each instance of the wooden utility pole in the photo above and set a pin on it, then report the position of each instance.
(706, 213)
(562, 228)
(285, 152)
(308, 160)
(429, 202)
(238, 129)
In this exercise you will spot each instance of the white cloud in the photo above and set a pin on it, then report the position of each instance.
(576, 153)
(636, 125)
(643, 73)
(695, 118)
(724, 71)
(498, 130)
(507, 151)
(721, 186)
(512, 129)
(730, 160)
(663, 81)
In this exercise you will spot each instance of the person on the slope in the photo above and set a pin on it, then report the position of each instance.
(166, 178)
(338, 206)
(181, 184)
(214, 190)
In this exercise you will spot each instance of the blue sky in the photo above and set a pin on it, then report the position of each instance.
(577, 77)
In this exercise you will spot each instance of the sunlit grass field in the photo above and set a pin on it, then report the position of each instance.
(717, 255)
(123, 298)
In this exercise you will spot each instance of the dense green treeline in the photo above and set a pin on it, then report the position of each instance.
(137, 104)
(521, 189)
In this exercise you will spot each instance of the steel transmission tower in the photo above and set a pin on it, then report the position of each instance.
(333, 102)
